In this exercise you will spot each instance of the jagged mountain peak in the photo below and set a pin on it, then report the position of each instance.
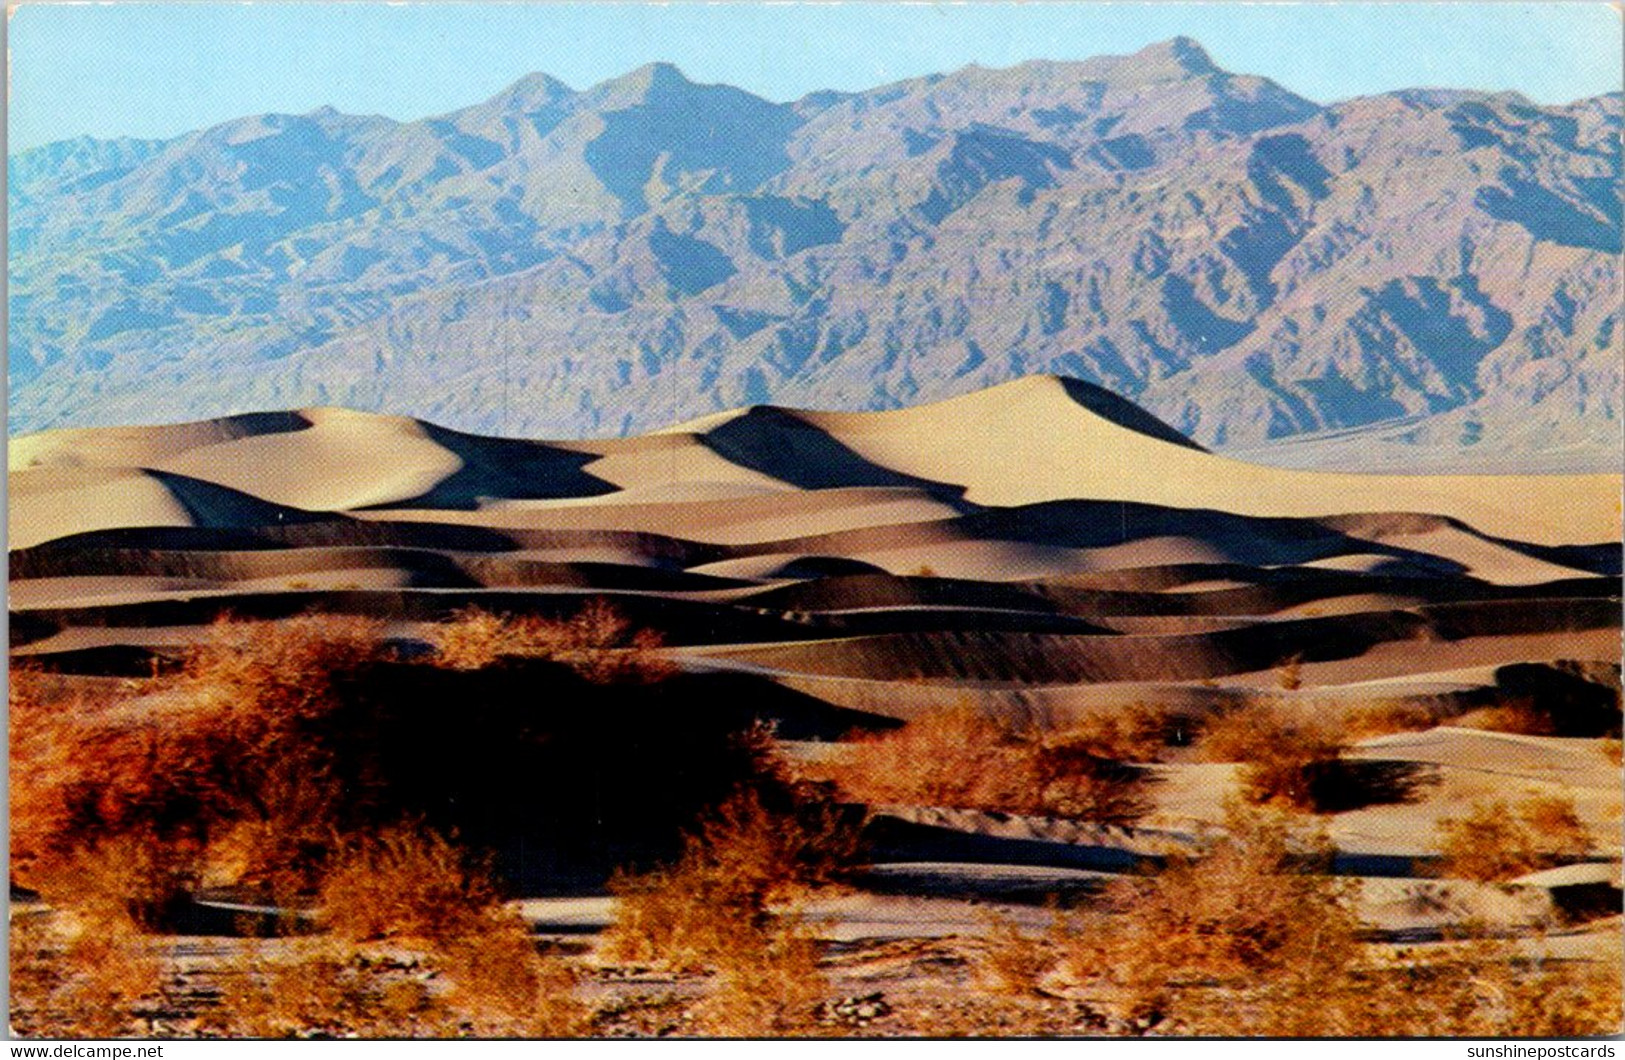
(532, 92)
(649, 82)
(1181, 54)
(1176, 58)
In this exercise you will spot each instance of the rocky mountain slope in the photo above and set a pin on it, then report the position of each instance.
(1441, 268)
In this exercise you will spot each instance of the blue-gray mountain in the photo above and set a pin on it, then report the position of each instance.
(1248, 265)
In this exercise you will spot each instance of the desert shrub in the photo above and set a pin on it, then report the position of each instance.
(288, 667)
(1070, 779)
(1130, 732)
(440, 907)
(960, 757)
(1286, 757)
(954, 757)
(1289, 675)
(1494, 841)
(83, 974)
(768, 987)
(228, 753)
(1255, 907)
(502, 987)
(405, 882)
(599, 642)
(1519, 715)
(1011, 961)
(1380, 719)
(476, 638)
(278, 740)
(490, 986)
(739, 862)
(1483, 988)
(1564, 1000)
(730, 905)
(1253, 938)
(323, 988)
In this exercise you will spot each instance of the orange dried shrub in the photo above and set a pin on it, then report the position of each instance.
(81, 975)
(412, 887)
(1519, 715)
(599, 642)
(1130, 732)
(1495, 841)
(960, 757)
(730, 906)
(407, 883)
(1254, 910)
(1289, 675)
(1013, 962)
(1286, 757)
(953, 757)
(311, 987)
(1381, 719)
(218, 761)
(740, 862)
(285, 668)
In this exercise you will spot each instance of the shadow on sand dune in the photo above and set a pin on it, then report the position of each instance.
(504, 469)
(1125, 414)
(784, 446)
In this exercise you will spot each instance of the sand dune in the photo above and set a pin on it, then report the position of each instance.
(47, 503)
(1029, 441)
(1063, 450)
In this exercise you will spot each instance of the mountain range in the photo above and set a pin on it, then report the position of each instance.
(1422, 278)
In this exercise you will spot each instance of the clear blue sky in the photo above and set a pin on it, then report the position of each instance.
(156, 70)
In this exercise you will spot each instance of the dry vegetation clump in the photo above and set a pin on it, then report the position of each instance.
(288, 667)
(1255, 939)
(279, 744)
(405, 883)
(1479, 989)
(319, 988)
(740, 863)
(598, 642)
(1287, 757)
(413, 887)
(1256, 908)
(771, 986)
(1289, 675)
(219, 763)
(962, 758)
(1130, 732)
(1381, 719)
(1519, 715)
(730, 905)
(1495, 842)
(1013, 962)
(88, 973)
(417, 944)
(954, 757)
